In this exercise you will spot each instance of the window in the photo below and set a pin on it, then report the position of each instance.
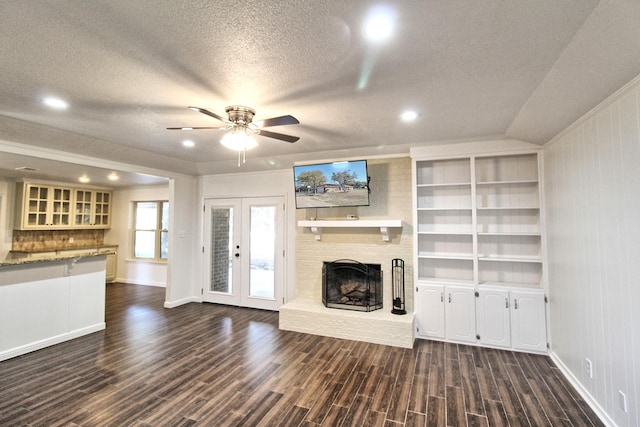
(151, 231)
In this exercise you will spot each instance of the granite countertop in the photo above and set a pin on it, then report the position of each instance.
(58, 250)
(60, 257)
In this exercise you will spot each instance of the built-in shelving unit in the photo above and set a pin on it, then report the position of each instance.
(478, 225)
(384, 225)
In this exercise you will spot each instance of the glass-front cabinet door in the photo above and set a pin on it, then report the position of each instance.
(46, 207)
(92, 208)
(82, 212)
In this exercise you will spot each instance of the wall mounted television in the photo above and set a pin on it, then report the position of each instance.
(331, 185)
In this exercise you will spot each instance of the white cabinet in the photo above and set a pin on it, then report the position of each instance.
(429, 307)
(42, 207)
(528, 320)
(92, 208)
(479, 227)
(460, 313)
(445, 311)
(494, 318)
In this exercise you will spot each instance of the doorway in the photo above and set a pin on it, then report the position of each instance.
(244, 252)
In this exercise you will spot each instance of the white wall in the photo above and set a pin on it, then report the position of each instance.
(592, 190)
(183, 242)
(7, 196)
(129, 270)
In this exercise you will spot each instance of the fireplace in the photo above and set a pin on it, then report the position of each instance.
(351, 285)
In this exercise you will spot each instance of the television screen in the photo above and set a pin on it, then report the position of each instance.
(330, 185)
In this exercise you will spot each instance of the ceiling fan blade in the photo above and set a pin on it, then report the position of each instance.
(208, 113)
(195, 128)
(278, 121)
(280, 136)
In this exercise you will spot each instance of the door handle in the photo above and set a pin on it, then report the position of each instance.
(237, 254)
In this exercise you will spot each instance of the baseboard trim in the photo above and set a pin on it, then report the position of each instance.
(139, 282)
(38, 345)
(174, 304)
(583, 392)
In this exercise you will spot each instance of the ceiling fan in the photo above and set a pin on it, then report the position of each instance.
(242, 128)
(241, 118)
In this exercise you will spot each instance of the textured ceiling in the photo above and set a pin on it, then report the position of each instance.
(472, 69)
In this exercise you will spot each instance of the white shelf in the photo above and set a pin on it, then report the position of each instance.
(507, 208)
(509, 259)
(463, 257)
(445, 185)
(493, 183)
(383, 224)
(445, 209)
(510, 233)
(446, 233)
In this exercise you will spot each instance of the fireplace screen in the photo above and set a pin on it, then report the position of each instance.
(351, 285)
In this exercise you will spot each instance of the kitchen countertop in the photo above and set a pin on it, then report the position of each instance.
(14, 260)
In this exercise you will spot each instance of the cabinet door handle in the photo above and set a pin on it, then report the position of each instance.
(441, 296)
(449, 298)
(506, 303)
(515, 304)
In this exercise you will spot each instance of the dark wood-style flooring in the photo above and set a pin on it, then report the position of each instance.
(209, 365)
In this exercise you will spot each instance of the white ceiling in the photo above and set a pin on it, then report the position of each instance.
(129, 68)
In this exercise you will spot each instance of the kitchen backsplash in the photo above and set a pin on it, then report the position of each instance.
(44, 240)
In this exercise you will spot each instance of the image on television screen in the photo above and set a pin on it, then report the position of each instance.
(329, 185)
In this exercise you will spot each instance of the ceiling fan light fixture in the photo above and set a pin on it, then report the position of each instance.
(239, 140)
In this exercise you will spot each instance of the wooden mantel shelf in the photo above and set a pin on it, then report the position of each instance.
(383, 224)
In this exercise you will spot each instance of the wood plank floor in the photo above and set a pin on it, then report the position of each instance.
(210, 365)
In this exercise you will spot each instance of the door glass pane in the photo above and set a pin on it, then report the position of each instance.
(263, 238)
(221, 250)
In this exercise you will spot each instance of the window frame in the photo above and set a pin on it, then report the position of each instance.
(158, 231)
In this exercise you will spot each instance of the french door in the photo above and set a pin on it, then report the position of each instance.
(244, 251)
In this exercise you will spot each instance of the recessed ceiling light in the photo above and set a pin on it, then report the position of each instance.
(188, 143)
(379, 24)
(55, 103)
(113, 176)
(84, 179)
(408, 116)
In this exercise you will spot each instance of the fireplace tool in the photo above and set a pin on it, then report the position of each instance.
(397, 279)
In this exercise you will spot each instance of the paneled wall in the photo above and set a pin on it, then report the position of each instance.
(592, 179)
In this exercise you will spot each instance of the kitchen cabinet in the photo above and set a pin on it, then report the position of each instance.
(42, 206)
(92, 208)
(445, 311)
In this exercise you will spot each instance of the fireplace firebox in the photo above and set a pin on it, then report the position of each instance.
(352, 285)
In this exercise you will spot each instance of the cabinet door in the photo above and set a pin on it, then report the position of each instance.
(82, 211)
(110, 268)
(493, 321)
(36, 206)
(102, 209)
(460, 313)
(528, 321)
(430, 311)
(60, 202)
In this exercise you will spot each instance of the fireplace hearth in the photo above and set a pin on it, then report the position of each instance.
(351, 285)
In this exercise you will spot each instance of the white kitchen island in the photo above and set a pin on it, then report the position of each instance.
(47, 301)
